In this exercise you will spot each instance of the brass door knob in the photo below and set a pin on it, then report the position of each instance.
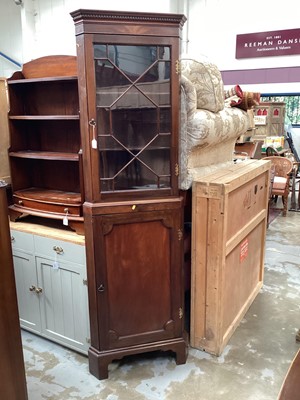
(58, 249)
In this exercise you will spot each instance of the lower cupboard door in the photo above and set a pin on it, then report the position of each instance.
(64, 303)
(140, 265)
(26, 282)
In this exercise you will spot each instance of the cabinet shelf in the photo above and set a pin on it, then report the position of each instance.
(45, 155)
(136, 149)
(44, 117)
(41, 80)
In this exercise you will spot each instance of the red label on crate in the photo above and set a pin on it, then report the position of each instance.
(244, 250)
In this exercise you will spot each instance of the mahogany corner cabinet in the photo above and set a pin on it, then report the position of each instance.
(133, 213)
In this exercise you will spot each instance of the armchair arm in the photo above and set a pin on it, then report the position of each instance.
(188, 92)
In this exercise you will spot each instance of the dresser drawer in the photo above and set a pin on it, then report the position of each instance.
(42, 205)
(59, 250)
(22, 241)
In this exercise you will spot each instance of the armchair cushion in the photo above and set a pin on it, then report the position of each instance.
(279, 183)
(207, 81)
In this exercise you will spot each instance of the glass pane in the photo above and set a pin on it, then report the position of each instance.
(156, 162)
(131, 97)
(158, 92)
(121, 170)
(133, 61)
(110, 83)
(133, 116)
(165, 120)
(135, 128)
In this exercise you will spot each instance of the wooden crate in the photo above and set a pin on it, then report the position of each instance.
(229, 219)
(269, 119)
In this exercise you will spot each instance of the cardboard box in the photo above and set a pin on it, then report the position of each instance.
(229, 219)
(274, 141)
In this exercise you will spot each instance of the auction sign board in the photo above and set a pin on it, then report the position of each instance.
(268, 44)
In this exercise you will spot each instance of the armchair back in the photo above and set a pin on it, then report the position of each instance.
(208, 128)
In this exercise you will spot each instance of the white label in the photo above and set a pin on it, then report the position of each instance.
(65, 221)
(260, 119)
(94, 144)
(55, 265)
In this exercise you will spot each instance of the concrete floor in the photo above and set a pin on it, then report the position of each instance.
(252, 366)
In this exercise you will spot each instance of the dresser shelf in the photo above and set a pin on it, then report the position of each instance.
(43, 155)
(45, 152)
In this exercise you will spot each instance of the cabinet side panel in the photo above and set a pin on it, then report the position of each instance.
(198, 270)
(4, 138)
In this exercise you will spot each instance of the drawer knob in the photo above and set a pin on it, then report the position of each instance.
(32, 288)
(20, 202)
(58, 249)
(38, 290)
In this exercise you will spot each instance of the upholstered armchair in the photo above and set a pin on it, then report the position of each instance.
(209, 128)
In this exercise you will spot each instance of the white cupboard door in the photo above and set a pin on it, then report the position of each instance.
(26, 284)
(63, 302)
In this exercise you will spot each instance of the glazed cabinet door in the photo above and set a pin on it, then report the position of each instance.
(131, 123)
(139, 277)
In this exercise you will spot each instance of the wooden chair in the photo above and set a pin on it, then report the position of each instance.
(248, 150)
(281, 183)
(295, 205)
(271, 151)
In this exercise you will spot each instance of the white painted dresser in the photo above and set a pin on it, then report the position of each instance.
(51, 281)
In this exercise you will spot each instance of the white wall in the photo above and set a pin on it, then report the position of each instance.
(57, 12)
(43, 27)
(10, 36)
(214, 24)
(211, 29)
